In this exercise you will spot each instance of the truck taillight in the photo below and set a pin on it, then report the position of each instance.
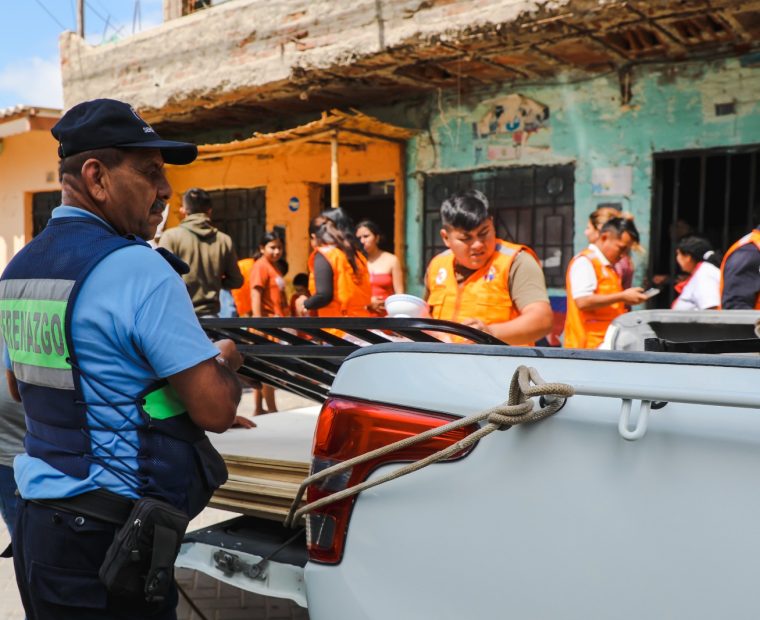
(349, 428)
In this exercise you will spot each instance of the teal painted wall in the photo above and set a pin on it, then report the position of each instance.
(672, 108)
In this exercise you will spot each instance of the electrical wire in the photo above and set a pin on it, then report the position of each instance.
(55, 19)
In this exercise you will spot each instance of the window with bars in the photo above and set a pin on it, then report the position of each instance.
(241, 213)
(711, 193)
(531, 205)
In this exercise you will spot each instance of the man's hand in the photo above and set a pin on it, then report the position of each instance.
(477, 324)
(229, 354)
(12, 385)
(300, 308)
(242, 422)
(377, 305)
(533, 323)
(634, 295)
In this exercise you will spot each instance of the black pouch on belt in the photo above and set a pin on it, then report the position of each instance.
(140, 560)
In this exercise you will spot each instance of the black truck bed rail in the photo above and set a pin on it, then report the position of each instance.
(303, 355)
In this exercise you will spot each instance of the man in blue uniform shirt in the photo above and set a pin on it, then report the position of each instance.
(118, 380)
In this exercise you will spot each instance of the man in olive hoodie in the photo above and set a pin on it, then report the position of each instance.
(208, 252)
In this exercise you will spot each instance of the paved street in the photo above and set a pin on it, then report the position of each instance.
(217, 601)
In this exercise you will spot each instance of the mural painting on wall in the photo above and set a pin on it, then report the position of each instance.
(506, 127)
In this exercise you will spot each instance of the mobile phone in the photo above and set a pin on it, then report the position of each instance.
(651, 292)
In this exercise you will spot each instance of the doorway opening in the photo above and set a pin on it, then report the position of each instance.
(369, 201)
(43, 204)
(710, 193)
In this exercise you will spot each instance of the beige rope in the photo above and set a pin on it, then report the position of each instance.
(526, 383)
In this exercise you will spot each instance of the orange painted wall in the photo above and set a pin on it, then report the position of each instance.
(28, 164)
(291, 171)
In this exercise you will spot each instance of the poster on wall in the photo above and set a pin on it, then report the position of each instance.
(509, 123)
(616, 181)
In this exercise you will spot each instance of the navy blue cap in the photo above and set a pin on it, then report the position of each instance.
(105, 123)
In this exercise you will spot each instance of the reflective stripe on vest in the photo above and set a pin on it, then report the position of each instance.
(753, 238)
(33, 323)
(585, 329)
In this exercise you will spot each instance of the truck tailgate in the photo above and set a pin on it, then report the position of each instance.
(266, 464)
(563, 518)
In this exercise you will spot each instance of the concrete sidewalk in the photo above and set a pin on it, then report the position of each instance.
(216, 600)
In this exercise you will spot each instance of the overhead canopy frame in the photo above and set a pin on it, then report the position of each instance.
(333, 130)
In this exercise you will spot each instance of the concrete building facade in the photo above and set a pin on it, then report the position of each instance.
(552, 108)
(29, 185)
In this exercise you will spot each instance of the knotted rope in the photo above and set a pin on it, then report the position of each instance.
(526, 383)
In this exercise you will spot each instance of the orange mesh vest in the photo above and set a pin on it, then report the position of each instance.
(484, 295)
(585, 329)
(351, 291)
(754, 238)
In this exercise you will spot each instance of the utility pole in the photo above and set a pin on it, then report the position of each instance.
(80, 18)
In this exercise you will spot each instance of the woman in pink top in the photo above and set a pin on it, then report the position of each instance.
(385, 274)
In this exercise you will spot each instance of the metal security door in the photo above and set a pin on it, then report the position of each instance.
(241, 213)
(711, 193)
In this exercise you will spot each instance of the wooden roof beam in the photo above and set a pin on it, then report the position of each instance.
(525, 73)
(745, 36)
(677, 44)
(620, 54)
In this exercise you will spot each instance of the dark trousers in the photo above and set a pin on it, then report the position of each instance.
(57, 555)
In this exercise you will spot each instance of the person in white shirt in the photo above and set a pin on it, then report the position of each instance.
(701, 290)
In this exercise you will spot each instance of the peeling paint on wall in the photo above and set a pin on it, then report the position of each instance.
(590, 127)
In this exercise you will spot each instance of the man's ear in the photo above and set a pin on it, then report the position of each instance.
(445, 237)
(95, 179)
(182, 212)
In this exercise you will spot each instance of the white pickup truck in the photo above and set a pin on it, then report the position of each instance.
(637, 499)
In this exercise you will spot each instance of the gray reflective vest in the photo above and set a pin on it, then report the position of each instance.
(38, 293)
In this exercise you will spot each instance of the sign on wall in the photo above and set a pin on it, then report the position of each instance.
(612, 181)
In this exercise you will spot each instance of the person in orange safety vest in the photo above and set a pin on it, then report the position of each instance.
(595, 295)
(242, 295)
(338, 274)
(740, 274)
(492, 285)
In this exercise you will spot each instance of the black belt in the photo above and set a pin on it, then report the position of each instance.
(99, 504)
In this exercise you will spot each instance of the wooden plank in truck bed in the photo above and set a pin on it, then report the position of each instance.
(267, 463)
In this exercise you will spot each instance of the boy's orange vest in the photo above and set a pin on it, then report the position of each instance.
(351, 291)
(585, 329)
(753, 237)
(484, 295)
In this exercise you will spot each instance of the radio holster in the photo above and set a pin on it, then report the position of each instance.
(140, 560)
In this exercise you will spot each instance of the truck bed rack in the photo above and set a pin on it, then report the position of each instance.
(303, 354)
